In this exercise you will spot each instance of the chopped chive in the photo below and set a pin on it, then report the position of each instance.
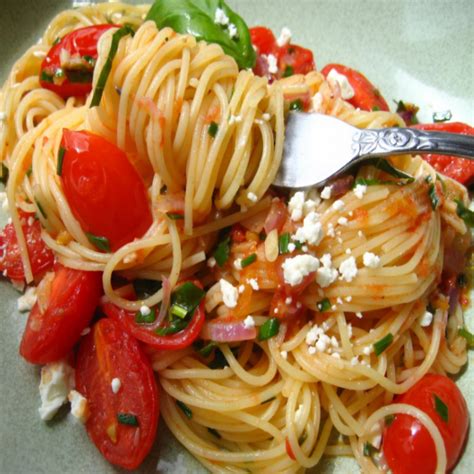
(213, 128)
(127, 419)
(188, 296)
(381, 345)
(468, 336)
(289, 71)
(248, 260)
(61, 153)
(375, 108)
(145, 318)
(178, 311)
(268, 329)
(5, 174)
(323, 305)
(433, 196)
(145, 288)
(441, 408)
(175, 216)
(104, 74)
(369, 449)
(40, 207)
(464, 213)
(102, 243)
(222, 252)
(389, 420)
(46, 77)
(268, 400)
(283, 242)
(296, 105)
(214, 433)
(206, 350)
(184, 408)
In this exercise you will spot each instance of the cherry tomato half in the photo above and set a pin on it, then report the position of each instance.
(366, 95)
(460, 169)
(41, 257)
(122, 425)
(68, 67)
(407, 445)
(71, 299)
(105, 192)
(263, 39)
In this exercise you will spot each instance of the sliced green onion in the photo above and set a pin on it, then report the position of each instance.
(175, 216)
(40, 207)
(296, 105)
(269, 329)
(206, 350)
(145, 318)
(289, 71)
(468, 336)
(385, 166)
(127, 419)
(323, 305)
(283, 242)
(173, 327)
(222, 252)
(5, 174)
(441, 408)
(185, 409)
(102, 243)
(248, 260)
(381, 345)
(104, 74)
(145, 288)
(59, 168)
(213, 128)
(188, 296)
(214, 433)
(179, 311)
(369, 449)
(464, 213)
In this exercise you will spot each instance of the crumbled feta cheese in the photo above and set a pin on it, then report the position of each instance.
(348, 298)
(311, 231)
(325, 276)
(220, 17)
(238, 264)
(266, 117)
(355, 360)
(316, 102)
(285, 37)
(79, 406)
(241, 289)
(360, 233)
(272, 64)
(249, 322)
(339, 300)
(26, 301)
(323, 343)
(367, 350)
(291, 247)
(145, 310)
(284, 354)
(359, 315)
(130, 258)
(338, 205)
(296, 268)
(309, 206)
(253, 283)
(3, 116)
(312, 350)
(342, 221)
(57, 379)
(313, 335)
(211, 263)
(348, 269)
(4, 200)
(330, 231)
(232, 29)
(426, 319)
(347, 92)
(348, 251)
(371, 260)
(360, 190)
(295, 206)
(235, 119)
(230, 295)
(252, 197)
(326, 192)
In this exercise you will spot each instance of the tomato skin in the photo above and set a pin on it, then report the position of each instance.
(81, 42)
(263, 39)
(41, 257)
(407, 445)
(366, 95)
(460, 169)
(300, 59)
(51, 335)
(105, 192)
(108, 352)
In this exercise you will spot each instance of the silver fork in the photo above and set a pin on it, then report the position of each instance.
(319, 147)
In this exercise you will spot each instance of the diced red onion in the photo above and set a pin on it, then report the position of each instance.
(228, 331)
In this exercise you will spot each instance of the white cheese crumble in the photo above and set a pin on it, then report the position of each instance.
(284, 354)
(296, 205)
(57, 379)
(238, 264)
(367, 350)
(342, 221)
(348, 251)
(79, 406)
(115, 384)
(241, 289)
(325, 276)
(311, 231)
(360, 190)
(338, 205)
(426, 319)
(232, 29)
(266, 117)
(291, 247)
(235, 119)
(3, 116)
(249, 322)
(348, 269)
(289, 300)
(252, 197)
(330, 231)
(26, 301)
(220, 17)
(347, 92)
(316, 102)
(326, 192)
(285, 37)
(253, 283)
(371, 260)
(145, 310)
(230, 294)
(296, 268)
(272, 64)
(211, 263)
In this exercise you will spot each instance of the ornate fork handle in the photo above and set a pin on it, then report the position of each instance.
(398, 141)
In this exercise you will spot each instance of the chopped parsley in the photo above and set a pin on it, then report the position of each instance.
(222, 252)
(289, 71)
(248, 260)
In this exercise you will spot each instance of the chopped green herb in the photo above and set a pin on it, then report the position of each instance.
(441, 408)
(269, 329)
(104, 74)
(89, 60)
(369, 449)
(408, 112)
(145, 288)
(441, 180)
(283, 241)
(56, 41)
(268, 400)
(375, 108)
(127, 419)
(464, 213)
(468, 336)
(185, 409)
(46, 77)
(222, 252)
(188, 297)
(40, 207)
(59, 168)
(444, 116)
(179, 311)
(175, 216)
(389, 420)
(5, 174)
(29, 171)
(296, 105)
(206, 350)
(59, 73)
(385, 166)
(433, 196)
(375, 182)
(145, 318)
(323, 305)
(214, 433)
(172, 328)
(248, 260)
(102, 243)
(381, 345)
(289, 71)
(213, 128)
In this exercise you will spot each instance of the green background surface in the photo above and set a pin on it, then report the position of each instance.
(419, 51)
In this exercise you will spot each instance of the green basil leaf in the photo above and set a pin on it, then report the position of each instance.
(197, 18)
